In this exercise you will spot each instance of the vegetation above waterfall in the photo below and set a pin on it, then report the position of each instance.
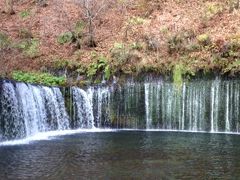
(40, 78)
(86, 40)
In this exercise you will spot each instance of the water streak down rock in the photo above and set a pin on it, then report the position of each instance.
(200, 105)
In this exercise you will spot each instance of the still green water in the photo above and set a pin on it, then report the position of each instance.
(125, 155)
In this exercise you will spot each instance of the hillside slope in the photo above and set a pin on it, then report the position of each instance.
(131, 37)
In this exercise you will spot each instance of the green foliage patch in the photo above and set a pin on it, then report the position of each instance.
(24, 14)
(101, 65)
(64, 38)
(39, 78)
(79, 27)
(120, 53)
(180, 72)
(233, 67)
(30, 47)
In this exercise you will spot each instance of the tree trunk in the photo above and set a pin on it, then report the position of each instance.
(9, 7)
(92, 42)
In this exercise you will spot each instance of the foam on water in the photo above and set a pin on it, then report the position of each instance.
(52, 135)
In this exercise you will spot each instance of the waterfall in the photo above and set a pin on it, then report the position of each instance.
(83, 113)
(183, 107)
(148, 106)
(30, 110)
(11, 119)
(26, 110)
(199, 105)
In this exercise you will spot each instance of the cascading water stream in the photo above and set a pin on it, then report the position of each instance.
(200, 105)
(147, 106)
(26, 110)
(83, 113)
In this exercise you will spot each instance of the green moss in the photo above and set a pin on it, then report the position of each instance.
(178, 73)
(39, 78)
(181, 71)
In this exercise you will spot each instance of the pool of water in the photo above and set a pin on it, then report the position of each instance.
(124, 155)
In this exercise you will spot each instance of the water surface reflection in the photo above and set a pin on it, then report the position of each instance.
(125, 154)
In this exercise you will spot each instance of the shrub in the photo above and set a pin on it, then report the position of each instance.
(40, 78)
(136, 46)
(101, 65)
(120, 53)
(24, 14)
(233, 67)
(175, 44)
(79, 27)
(211, 9)
(204, 39)
(64, 38)
(30, 47)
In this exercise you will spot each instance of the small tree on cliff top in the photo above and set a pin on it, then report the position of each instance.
(91, 10)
